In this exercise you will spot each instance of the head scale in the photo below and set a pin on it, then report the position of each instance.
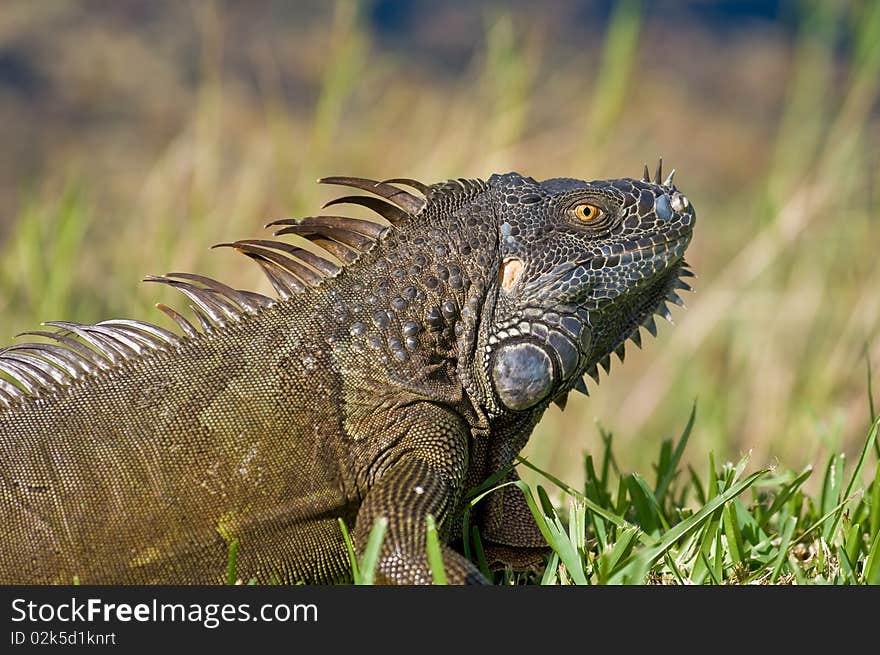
(584, 264)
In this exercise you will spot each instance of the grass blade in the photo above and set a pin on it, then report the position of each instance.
(679, 576)
(370, 560)
(648, 512)
(871, 411)
(787, 492)
(666, 475)
(787, 532)
(232, 562)
(609, 516)
(349, 547)
(857, 473)
(480, 553)
(435, 554)
(697, 485)
(871, 572)
(733, 534)
(551, 573)
(874, 516)
(610, 559)
(831, 490)
(546, 504)
(707, 566)
(693, 523)
(556, 537)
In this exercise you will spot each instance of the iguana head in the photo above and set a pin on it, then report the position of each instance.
(584, 264)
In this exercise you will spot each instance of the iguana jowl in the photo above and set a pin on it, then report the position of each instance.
(402, 363)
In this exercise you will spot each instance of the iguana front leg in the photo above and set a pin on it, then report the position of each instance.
(420, 472)
(511, 537)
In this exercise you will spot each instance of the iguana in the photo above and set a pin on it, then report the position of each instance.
(404, 361)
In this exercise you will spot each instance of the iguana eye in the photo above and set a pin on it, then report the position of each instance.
(587, 213)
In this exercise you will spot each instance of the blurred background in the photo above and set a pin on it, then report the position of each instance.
(135, 134)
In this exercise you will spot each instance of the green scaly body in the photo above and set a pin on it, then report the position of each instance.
(385, 381)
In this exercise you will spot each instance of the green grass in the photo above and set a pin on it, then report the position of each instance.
(721, 526)
(718, 527)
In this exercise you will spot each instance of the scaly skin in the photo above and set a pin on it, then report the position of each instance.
(385, 387)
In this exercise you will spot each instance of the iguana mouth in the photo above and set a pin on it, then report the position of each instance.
(648, 243)
(675, 247)
(672, 247)
(657, 240)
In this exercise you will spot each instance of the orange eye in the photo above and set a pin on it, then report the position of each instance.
(587, 213)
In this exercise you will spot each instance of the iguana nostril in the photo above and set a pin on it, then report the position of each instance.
(662, 208)
(679, 202)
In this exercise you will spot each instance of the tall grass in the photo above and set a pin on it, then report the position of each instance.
(716, 526)
(773, 341)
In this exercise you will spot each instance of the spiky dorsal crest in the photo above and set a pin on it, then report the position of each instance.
(658, 176)
(74, 351)
(459, 189)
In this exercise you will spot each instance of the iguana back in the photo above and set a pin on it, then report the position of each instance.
(402, 362)
(204, 448)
